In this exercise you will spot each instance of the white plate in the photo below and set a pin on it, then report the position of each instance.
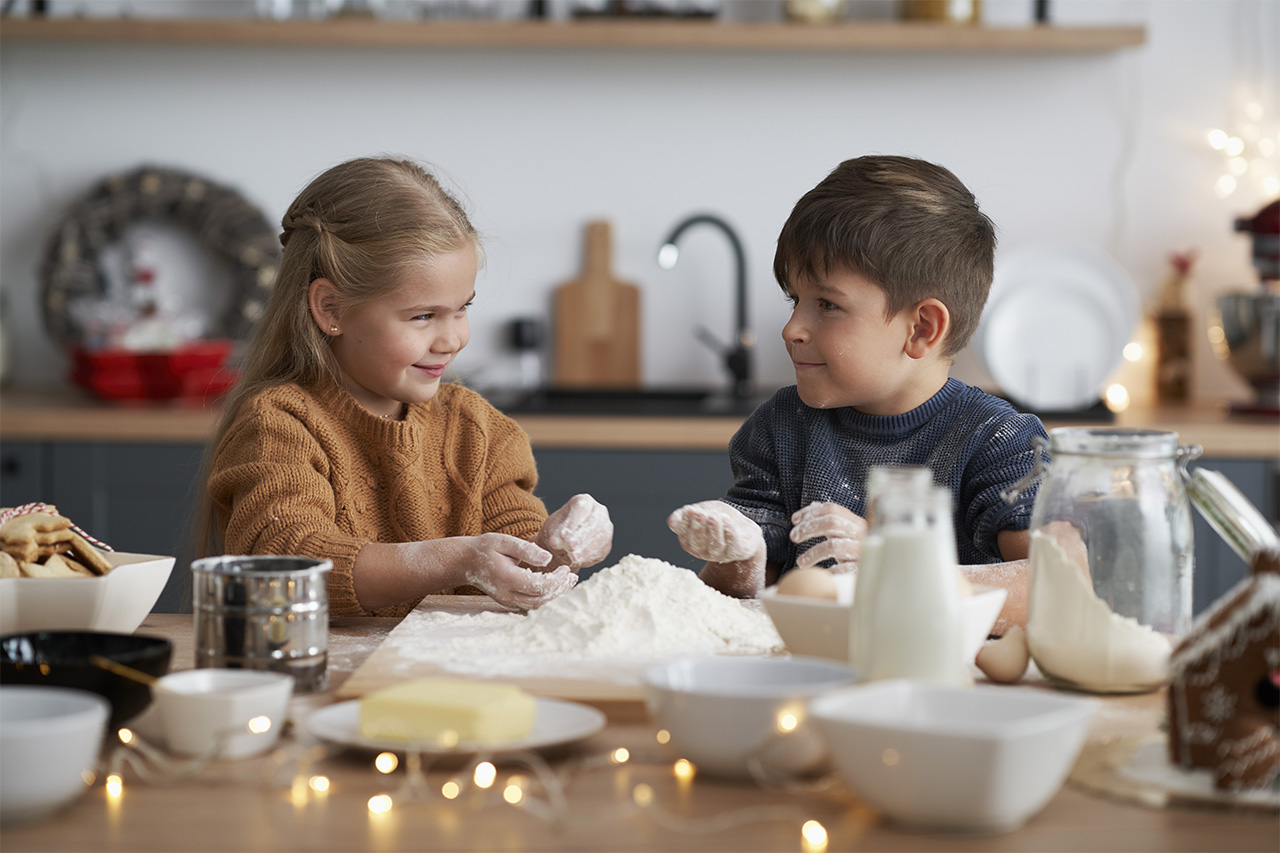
(556, 723)
(1056, 325)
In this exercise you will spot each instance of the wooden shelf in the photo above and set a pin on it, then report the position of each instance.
(700, 35)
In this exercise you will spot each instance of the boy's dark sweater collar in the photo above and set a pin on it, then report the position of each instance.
(907, 422)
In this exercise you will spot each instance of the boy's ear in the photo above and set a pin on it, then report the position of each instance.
(322, 297)
(930, 323)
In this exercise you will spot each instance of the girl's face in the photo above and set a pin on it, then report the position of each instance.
(844, 350)
(394, 350)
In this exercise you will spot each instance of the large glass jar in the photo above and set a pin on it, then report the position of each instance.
(1111, 559)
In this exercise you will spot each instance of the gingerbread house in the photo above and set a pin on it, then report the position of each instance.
(1224, 693)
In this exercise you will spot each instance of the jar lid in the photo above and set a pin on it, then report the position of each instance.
(1114, 441)
(1230, 513)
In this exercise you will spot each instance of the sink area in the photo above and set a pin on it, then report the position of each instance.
(624, 402)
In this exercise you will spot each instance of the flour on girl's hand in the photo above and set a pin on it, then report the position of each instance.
(608, 627)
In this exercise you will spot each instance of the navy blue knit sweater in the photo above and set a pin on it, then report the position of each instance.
(788, 455)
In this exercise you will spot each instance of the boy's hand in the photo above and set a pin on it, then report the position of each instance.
(579, 533)
(842, 529)
(492, 563)
(716, 532)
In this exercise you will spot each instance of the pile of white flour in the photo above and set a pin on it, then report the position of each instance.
(608, 627)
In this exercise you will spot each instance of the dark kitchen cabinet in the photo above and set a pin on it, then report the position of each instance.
(141, 497)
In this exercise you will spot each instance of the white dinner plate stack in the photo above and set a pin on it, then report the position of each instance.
(1056, 324)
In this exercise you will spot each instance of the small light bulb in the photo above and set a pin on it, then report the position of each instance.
(814, 835)
(1133, 351)
(386, 762)
(642, 795)
(685, 770)
(125, 735)
(115, 785)
(1217, 139)
(1271, 186)
(485, 774)
(1224, 186)
(319, 784)
(1237, 166)
(620, 755)
(1234, 146)
(380, 804)
(662, 736)
(1117, 397)
(787, 722)
(450, 790)
(260, 725)
(513, 794)
(889, 757)
(88, 776)
(668, 255)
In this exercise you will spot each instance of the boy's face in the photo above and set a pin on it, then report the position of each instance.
(844, 350)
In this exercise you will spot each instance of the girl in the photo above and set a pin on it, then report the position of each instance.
(340, 440)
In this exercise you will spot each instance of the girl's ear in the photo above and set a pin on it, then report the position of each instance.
(322, 296)
(930, 323)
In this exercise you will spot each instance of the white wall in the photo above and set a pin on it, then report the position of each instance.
(1102, 149)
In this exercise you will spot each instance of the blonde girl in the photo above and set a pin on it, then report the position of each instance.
(341, 441)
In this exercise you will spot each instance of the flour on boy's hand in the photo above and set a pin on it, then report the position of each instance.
(716, 532)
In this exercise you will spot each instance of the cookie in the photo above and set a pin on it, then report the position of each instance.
(55, 567)
(9, 567)
(26, 526)
(86, 553)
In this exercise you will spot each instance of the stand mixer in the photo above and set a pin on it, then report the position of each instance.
(1251, 321)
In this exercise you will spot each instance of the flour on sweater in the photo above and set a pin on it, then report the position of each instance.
(608, 627)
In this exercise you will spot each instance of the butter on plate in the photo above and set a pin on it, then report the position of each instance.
(448, 711)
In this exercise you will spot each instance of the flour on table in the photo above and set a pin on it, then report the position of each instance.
(610, 625)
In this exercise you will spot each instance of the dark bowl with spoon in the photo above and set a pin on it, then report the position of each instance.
(66, 659)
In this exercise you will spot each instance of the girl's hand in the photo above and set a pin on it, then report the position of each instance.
(716, 532)
(842, 529)
(579, 533)
(492, 563)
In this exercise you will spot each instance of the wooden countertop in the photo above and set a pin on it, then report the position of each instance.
(252, 804)
(67, 415)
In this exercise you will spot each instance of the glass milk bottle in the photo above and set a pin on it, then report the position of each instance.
(880, 479)
(915, 627)
(1111, 558)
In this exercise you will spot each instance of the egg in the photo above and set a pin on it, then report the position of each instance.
(1005, 660)
(808, 583)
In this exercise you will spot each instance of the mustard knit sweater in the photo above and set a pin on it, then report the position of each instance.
(309, 472)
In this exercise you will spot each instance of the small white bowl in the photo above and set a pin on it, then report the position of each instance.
(49, 738)
(116, 602)
(738, 716)
(819, 627)
(948, 759)
(230, 713)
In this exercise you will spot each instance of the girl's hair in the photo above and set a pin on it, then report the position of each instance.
(361, 225)
(909, 226)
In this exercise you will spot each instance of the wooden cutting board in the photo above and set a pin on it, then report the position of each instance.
(596, 322)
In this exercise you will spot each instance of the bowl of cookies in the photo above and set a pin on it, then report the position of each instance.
(52, 578)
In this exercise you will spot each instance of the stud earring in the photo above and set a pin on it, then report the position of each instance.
(333, 330)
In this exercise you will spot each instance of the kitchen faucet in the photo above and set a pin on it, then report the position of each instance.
(737, 358)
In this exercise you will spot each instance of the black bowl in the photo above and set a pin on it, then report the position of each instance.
(61, 659)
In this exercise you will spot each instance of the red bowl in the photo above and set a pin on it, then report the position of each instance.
(196, 370)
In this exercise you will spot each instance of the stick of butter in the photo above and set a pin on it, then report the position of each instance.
(448, 711)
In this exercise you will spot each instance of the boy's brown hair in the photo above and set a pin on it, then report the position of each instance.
(909, 226)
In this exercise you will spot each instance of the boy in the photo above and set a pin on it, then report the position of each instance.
(887, 263)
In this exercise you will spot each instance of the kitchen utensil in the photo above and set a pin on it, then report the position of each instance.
(116, 602)
(62, 659)
(820, 628)
(1111, 557)
(596, 323)
(50, 741)
(741, 717)
(1251, 329)
(952, 759)
(557, 723)
(230, 713)
(263, 612)
(1056, 324)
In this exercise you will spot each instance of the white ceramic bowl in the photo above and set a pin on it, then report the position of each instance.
(49, 739)
(950, 759)
(739, 716)
(819, 627)
(230, 713)
(116, 603)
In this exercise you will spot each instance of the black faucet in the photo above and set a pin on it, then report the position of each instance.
(737, 358)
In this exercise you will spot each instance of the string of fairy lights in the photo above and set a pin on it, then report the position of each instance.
(526, 781)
